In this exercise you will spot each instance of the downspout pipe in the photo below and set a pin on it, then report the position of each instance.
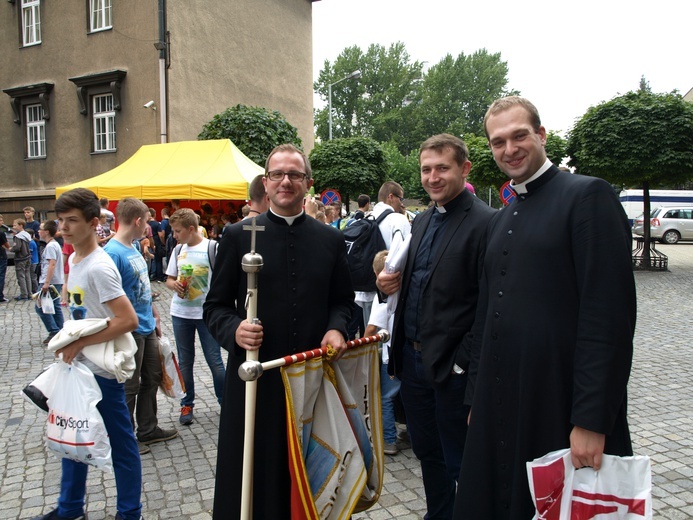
(163, 50)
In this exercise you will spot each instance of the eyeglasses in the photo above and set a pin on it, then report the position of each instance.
(401, 199)
(278, 175)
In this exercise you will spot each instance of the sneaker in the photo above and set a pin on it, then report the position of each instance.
(118, 517)
(158, 435)
(19, 299)
(4, 300)
(390, 449)
(53, 515)
(403, 440)
(143, 448)
(186, 415)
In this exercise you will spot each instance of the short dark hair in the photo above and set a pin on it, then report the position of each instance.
(129, 209)
(82, 199)
(442, 141)
(390, 187)
(502, 104)
(51, 227)
(256, 190)
(363, 200)
(290, 148)
(103, 201)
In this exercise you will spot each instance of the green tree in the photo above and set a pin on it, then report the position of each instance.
(351, 165)
(485, 173)
(393, 101)
(405, 170)
(254, 130)
(456, 92)
(372, 105)
(555, 147)
(637, 139)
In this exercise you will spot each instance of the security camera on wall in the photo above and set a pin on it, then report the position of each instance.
(149, 104)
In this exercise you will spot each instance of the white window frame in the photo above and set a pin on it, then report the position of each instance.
(104, 124)
(31, 22)
(35, 132)
(100, 15)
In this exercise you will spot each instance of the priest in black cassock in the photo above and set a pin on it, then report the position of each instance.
(552, 353)
(304, 302)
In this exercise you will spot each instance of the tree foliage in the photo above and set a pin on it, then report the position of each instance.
(456, 92)
(635, 138)
(394, 101)
(638, 139)
(351, 165)
(371, 105)
(254, 130)
(405, 170)
(555, 148)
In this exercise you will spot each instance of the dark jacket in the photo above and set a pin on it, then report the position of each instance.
(451, 292)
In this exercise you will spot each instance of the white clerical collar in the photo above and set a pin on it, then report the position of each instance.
(441, 209)
(289, 220)
(522, 187)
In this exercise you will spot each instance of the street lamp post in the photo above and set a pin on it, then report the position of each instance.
(356, 74)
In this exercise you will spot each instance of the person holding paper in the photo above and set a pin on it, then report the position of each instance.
(435, 312)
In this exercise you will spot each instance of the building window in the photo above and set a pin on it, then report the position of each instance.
(31, 22)
(104, 123)
(31, 107)
(35, 132)
(100, 15)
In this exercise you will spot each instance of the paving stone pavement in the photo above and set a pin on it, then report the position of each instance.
(178, 475)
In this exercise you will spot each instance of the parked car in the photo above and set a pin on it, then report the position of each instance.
(669, 225)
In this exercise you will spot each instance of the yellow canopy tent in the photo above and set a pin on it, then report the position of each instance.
(188, 170)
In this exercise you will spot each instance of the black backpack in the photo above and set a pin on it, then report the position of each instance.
(363, 241)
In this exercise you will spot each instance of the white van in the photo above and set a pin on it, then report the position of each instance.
(632, 202)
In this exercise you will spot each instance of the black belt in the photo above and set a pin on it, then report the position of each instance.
(416, 345)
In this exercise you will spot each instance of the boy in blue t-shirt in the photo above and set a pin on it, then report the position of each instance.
(141, 388)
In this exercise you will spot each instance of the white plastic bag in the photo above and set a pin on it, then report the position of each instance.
(171, 379)
(620, 490)
(46, 303)
(75, 428)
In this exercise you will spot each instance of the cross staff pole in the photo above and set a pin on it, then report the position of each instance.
(251, 370)
(252, 264)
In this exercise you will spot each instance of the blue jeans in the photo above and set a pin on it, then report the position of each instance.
(53, 322)
(3, 271)
(124, 452)
(437, 426)
(388, 391)
(184, 332)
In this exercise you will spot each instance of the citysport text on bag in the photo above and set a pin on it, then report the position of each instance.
(75, 429)
(363, 241)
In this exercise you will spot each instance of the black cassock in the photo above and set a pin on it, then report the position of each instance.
(304, 290)
(559, 295)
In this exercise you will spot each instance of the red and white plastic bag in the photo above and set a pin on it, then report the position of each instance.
(620, 490)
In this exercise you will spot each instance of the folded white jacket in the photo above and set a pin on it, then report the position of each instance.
(116, 356)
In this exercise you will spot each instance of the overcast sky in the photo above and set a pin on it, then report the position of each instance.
(563, 56)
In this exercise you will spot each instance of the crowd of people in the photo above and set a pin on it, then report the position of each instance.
(511, 330)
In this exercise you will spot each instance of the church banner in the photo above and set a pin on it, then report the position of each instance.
(335, 434)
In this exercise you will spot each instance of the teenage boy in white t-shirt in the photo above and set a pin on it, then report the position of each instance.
(194, 254)
(95, 290)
